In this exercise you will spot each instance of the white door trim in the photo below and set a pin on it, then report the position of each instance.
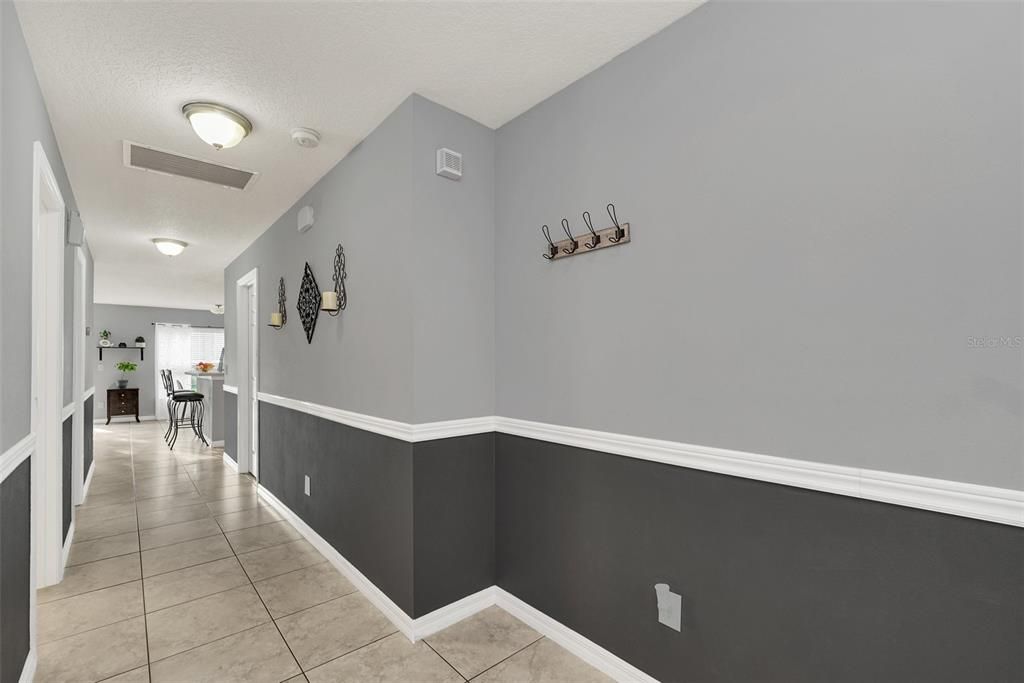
(48, 224)
(247, 350)
(78, 384)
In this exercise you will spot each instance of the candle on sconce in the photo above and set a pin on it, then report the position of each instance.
(329, 301)
(275, 319)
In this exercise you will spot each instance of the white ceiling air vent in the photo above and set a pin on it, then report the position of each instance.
(151, 159)
(449, 163)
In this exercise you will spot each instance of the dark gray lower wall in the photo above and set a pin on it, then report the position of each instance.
(231, 425)
(416, 519)
(778, 583)
(360, 494)
(15, 535)
(66, 469)
(453, 519)
(87, 440)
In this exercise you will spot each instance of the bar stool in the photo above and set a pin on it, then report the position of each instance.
(190, 402)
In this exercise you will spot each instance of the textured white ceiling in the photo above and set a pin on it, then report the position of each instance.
(116, 71)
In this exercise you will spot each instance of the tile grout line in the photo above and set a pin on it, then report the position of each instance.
(142, 577)
(457, 672)
(256, 591)
(528, 645)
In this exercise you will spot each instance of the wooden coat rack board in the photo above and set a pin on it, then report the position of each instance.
(592, 240)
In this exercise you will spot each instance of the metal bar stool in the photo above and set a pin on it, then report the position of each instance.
(190, 402)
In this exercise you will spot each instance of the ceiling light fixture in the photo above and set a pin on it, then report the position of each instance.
(169, 247)
(216, 125)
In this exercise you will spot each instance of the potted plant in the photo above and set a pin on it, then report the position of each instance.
(140, 342)
(105, 338)
(125, 367)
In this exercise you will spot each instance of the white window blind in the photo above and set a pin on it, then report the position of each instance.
(207, 344)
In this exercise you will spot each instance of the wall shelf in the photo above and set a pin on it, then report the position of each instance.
(140, 349)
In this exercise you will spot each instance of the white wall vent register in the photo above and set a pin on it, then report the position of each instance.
(449, 163)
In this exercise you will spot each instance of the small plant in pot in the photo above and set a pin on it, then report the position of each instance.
(125, 367)
(105, 338)
(140, 342)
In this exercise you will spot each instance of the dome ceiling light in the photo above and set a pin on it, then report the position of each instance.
(169, 247)
(216, 125)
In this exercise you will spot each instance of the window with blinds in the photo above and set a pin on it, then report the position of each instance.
(206, 345)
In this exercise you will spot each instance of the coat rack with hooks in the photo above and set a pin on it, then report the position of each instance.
(592, 240)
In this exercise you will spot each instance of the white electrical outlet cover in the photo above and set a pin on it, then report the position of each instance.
(307, 485)
(670, 606)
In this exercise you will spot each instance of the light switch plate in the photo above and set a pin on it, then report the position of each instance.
(307, 485)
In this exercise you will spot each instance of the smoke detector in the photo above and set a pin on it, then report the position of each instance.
(449, 163)
(306, 137)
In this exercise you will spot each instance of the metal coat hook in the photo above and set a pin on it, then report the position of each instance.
(595, 239)
(619, 232)
(552, 249)
(572, 240)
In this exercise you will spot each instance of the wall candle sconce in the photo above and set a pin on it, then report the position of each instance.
(334, 301)
(279, 318)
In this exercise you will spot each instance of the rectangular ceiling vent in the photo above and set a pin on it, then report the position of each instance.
(151, 159)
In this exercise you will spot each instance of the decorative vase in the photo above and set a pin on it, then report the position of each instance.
(122, 384)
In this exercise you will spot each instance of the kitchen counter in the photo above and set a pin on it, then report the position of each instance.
(211, 386)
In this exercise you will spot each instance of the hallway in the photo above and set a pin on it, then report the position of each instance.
(179, 573)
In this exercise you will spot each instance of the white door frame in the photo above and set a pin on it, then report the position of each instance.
(247, 345)
(78, 384)
(48, 224)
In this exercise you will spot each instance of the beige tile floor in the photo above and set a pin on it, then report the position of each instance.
(179, 573)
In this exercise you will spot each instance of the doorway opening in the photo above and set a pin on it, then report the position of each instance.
(48, 225)
(247, 362)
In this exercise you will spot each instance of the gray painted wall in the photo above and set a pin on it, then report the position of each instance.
(361, 361)
(416, 342)
(231, 425)
(778, 583)
(23, 120)
(15, 587)
(453, 276)
(125, 323)
(825, 200)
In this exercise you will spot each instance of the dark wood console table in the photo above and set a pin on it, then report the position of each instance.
(122, 402)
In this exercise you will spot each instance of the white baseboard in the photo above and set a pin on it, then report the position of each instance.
(66, 550)
(440, 619)
(443, 617)
(229, 462)
(88, 478)
(28, 670)
(587, 650)
(218, 443)
(393, 612)
(124, 418)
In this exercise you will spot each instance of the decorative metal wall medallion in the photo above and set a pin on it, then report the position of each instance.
(308, 303)
(339, 281)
